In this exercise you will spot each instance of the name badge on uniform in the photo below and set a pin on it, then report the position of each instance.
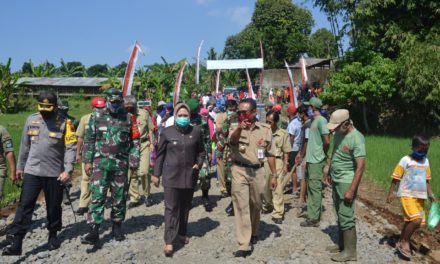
(260, 153)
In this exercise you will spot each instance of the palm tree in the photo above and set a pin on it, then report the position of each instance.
(8, 85)
(71, 69)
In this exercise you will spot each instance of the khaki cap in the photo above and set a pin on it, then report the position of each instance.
(338, 117)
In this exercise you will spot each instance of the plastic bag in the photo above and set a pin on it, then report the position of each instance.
(434, 216)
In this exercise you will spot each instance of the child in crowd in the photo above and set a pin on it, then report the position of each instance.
(413, 175)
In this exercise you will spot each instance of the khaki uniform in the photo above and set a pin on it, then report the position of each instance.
(275, 199)
(84, 198)
(5, 147)
(144, 125)
(248, 179)
(220, 119)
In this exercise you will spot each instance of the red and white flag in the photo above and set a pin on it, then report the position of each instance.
(129, 71)
(249, 84)
(304, 78)
(178, 83)
(293, 95)
(198, 62)
(217, 81)
(262, 70)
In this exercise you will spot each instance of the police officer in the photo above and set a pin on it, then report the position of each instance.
(6, 154)
(47, 155)
(275, 200)
(111, 148)
(84, 198)
(251, 142)
(145, 128)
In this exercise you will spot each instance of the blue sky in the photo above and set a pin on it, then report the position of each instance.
(102, 31)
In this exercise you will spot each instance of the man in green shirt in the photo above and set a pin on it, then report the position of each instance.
(316, 155)
(346, 170)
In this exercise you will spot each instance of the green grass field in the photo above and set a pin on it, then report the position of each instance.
(14, 124)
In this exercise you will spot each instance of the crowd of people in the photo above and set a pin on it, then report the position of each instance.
(124, 148)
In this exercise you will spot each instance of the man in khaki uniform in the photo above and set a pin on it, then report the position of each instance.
(145, 127)
(84, 198)
(6, 154)
(251, 142)
(275, 200)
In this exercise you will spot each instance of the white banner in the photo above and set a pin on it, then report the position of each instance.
(234, 64)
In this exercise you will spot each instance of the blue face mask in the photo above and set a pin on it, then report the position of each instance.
(114, 107)
(182, 122)
(418, 155)
(324, 112)
(310, 112)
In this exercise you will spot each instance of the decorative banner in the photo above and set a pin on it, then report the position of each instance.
(178, 83)
(262, 57)
(217, 81)
(249, 83)
(303, 71)
(129, 71)
(293, 95)
(198, 63)
(234, 64)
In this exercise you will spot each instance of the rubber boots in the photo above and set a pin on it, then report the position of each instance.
(349, 253)
(92, 238)
(15, 248)
(54, 242)
(117, 231)
(336, 248)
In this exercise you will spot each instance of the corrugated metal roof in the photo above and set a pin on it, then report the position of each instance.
(63, 81)
(313, 62)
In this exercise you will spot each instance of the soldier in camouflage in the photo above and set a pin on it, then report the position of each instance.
(197, 120)
(111, 148)
(223, 150)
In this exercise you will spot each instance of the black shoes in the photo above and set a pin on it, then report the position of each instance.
(133, 204)
(207, 204)
(254, 240)
(266, 211)
(92, 238)
(54, 242)
(230, 210)
(117, 231)
(82, 210)
(15, 248)
(310, 223)
(277, 221)
(149, 201)
(241, 253)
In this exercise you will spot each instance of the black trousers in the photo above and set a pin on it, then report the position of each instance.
(53, 193)
(177, 206)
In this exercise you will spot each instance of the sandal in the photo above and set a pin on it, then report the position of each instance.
(168, 251)
(402, 251)
(184, 239)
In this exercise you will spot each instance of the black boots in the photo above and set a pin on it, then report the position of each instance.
(15, 248)
(54, 242)
(92, 238)
(230, 210)
(117, 231)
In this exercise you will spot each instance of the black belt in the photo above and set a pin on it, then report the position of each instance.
(278, 157)
(252, 166)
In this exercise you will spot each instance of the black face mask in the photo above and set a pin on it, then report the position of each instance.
(47, 114)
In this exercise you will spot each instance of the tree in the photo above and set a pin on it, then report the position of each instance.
(71, 69)
(323, 44)
(97, 70)
(8, 85)
(367, 87)
(120, 68)
(283, 29)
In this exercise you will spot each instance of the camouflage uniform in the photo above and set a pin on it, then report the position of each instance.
(112, 145)
(205, 180)
(223, 148)
(5, 147)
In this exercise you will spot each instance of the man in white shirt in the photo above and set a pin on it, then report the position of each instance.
(294, 130)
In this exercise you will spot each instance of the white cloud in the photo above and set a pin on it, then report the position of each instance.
(204, 2)
(240, 15)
